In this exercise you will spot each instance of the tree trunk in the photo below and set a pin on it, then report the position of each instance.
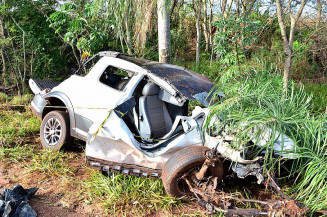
(226, 11)
(319, 7)
(23, 77)
(128, 38)
(121, 41)
(287, 68)
(197, 13)
(2, 37)
(210, 23)
(164, 31)
(315, 40)
(288, 42)
(205, 27)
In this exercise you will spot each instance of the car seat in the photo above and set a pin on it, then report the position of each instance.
(154, 119)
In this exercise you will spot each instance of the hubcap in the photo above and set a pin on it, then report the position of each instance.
(52, 131)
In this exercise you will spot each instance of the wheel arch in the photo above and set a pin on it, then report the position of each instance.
(59, 99)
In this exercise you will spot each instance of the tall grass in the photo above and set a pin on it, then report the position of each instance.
(138, 194)
(51, 162)
(319, 92)
(16, 127)
(255, 103)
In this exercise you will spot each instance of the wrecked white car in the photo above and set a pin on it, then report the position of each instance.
(133, 115)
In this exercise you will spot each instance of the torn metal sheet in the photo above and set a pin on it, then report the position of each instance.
(112, 144)
(244, 170)
(283, 145)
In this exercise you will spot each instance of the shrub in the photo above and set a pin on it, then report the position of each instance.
(255, 99)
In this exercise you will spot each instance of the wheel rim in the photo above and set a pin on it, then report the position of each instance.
(183, 186)
(181, 183)
(52, 131)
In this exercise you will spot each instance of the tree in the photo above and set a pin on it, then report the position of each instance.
(316, 41)
(225, 8)
(164, 30)
(2, 40)
(206, 26)
(288, 42)
(197, 15)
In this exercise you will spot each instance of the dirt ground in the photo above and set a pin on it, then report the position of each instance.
(47, 201)
(62, 196)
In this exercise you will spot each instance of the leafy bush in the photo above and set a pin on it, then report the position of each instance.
(254, 99)
(229, 32)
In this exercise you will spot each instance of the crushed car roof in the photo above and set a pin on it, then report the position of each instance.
(189, 84)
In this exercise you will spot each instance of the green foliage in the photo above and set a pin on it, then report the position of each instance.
(254, 100)
(44, 55)
(212, 70)
(84, 27)
(22, 100)
(3, 98)
(230, 32)
(319, 96)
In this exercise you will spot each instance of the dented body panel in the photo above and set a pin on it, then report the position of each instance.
(117, 137)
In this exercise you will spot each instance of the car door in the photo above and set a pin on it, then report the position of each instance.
(94, 95)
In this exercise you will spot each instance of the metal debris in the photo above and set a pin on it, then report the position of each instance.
(204, 190)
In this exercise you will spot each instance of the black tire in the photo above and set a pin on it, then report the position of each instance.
(183, 161)
(55, 130)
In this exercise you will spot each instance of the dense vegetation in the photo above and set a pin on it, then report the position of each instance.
(241, 47)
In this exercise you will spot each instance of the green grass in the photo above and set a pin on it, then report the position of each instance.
(22, 100)
(16, 127)
(135, 194)
(17, 154)
(3, 98)
(319, 100)
(52, 163)
(17, 124)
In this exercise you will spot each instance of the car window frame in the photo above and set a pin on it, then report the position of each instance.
(124, 89)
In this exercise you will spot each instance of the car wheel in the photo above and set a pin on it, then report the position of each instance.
(54, 130)
(185, 161)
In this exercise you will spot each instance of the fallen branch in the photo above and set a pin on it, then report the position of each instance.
(9, 89)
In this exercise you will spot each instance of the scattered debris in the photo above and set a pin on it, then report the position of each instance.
(226, 203)
(204, 190)
(14, 202)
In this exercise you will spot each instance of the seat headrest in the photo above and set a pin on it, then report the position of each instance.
(150, 89)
